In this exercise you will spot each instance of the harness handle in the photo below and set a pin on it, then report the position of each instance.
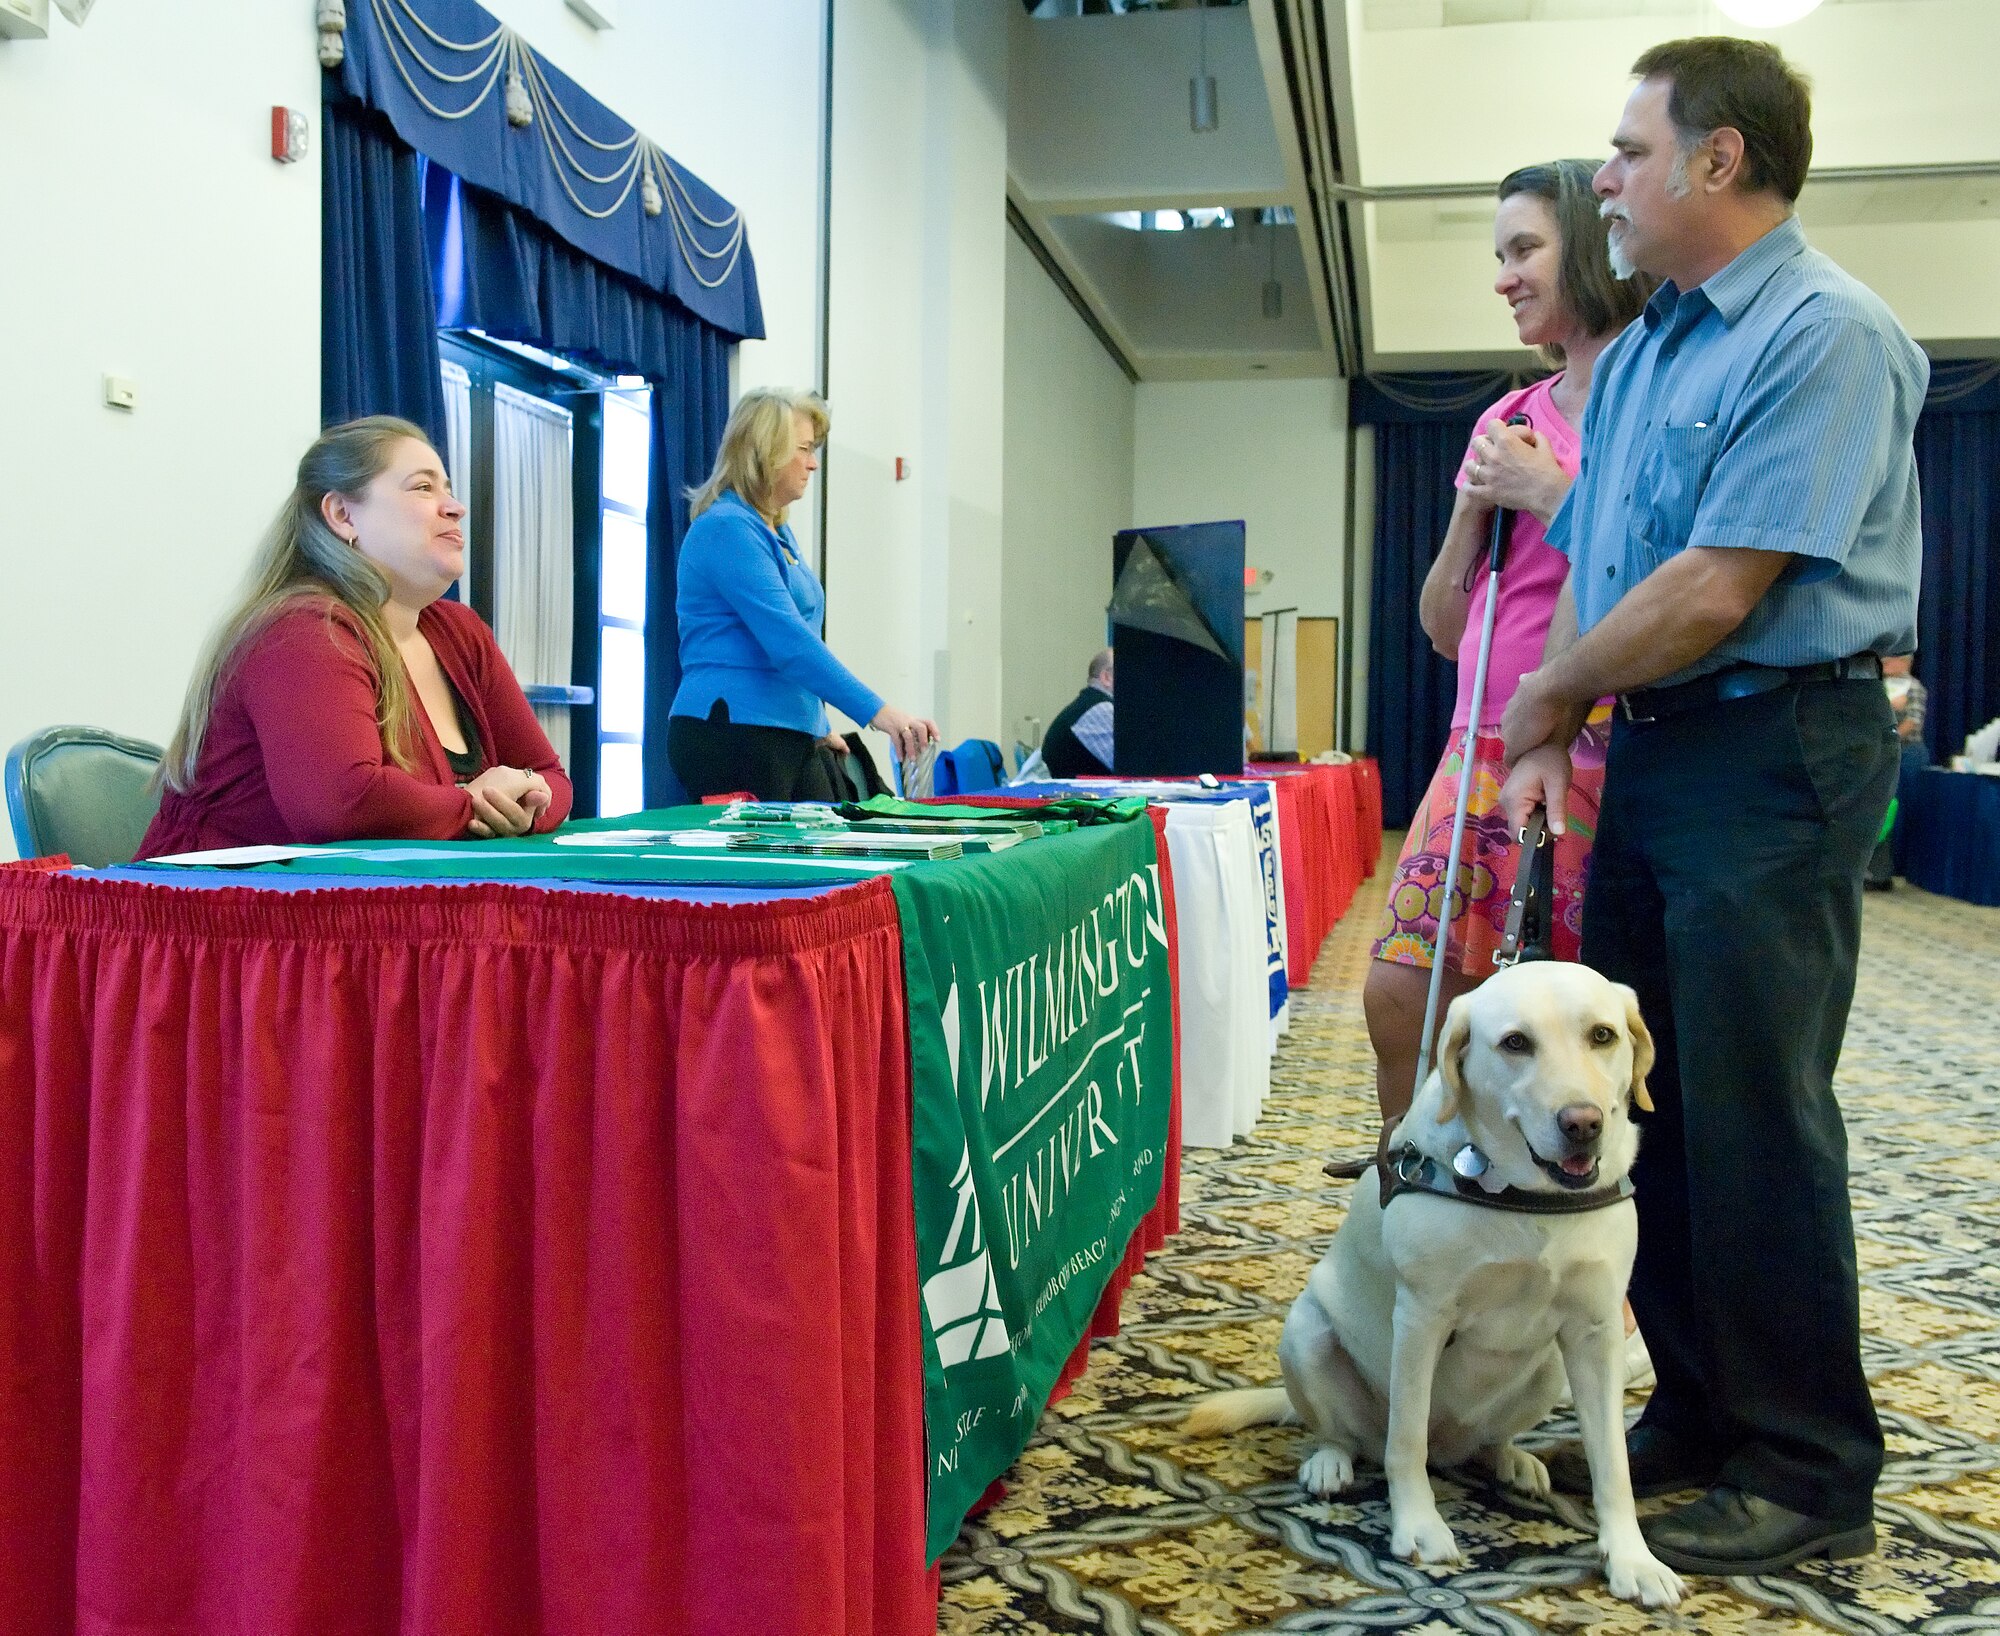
(1530, 929)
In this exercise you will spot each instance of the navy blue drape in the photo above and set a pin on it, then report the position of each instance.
(378, 321)
(1958, 620)
(687, 431)
(1421, 426)
(1411, 688)
(499, 271)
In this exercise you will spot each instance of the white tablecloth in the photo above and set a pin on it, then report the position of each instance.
(1226, 1028)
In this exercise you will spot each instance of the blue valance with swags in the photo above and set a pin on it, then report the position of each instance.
(463, 89)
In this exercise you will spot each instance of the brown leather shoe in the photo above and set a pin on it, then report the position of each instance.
(1660, 1462)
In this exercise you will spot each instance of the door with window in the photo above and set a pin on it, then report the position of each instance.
(553, 459)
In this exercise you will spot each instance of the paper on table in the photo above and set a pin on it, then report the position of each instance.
(616, 837)
(222, 857)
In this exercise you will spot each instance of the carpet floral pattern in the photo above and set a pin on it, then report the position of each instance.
(1114, 1522)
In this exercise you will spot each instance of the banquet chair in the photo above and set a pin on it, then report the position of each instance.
(82, 791)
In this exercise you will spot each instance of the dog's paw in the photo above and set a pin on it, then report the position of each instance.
(1521, 1471)
(1327, 1470)
(1423, 1539)
(1639, 1576)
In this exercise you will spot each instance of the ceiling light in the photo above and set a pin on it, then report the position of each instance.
(1766, 13)
(1202, 114)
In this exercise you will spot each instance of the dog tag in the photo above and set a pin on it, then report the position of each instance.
(1469, 1162)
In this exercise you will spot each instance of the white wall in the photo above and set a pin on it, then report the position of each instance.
(1903, 84)
(1068, 489)
(1432, 302)
(1271, 452)
(918, 288)
(1892, 85)
(148, 233)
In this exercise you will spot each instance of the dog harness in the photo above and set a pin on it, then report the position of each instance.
(1405, 1170)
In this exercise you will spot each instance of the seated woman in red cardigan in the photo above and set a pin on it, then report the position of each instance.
(342, 700)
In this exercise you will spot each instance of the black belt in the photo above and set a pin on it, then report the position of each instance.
(1741, 682)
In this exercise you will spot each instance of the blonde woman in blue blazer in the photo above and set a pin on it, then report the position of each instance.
(756, 674)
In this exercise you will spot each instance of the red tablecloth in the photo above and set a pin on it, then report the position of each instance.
(407, 1261)
(1322, 815)
(1368, 809)
(404, 1260)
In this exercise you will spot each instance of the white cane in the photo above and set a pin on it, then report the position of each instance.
(1496, 556)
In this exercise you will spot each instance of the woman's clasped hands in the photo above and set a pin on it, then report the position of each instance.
(505, 802)
(1511, 469)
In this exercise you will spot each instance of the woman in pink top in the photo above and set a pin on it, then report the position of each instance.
(1556, 276)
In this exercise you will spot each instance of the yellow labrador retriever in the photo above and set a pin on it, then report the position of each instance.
(1439, 1324)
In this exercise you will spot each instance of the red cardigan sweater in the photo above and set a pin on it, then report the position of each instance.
(293, 753)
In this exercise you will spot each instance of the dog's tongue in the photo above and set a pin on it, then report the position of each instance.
(1578, 1164)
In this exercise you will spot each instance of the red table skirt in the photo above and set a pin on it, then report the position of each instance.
(1324, 830)
(1367, 782)
(406, 1261)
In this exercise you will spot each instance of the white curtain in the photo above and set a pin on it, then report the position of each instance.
(534, 546)
(458, 447)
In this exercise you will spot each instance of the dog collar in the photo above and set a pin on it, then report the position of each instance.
(1405, 1170)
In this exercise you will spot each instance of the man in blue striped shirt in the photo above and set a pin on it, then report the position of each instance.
(1744, 546)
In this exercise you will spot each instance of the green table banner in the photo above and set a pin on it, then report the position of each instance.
(1041, 1043)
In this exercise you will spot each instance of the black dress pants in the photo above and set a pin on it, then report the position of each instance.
(1725, 887)
(719, 757)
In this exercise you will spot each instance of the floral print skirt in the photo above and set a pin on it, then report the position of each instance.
(1490, 855)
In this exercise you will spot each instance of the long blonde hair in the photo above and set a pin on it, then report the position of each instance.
(301, 560)
(758, 440)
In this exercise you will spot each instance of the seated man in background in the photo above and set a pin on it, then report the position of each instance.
(1078, 744)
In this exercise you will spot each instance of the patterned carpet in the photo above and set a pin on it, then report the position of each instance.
(1116, 1523)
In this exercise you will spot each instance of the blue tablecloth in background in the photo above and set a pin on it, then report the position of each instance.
(1952, 834)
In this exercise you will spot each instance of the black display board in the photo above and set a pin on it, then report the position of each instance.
(1176, 620)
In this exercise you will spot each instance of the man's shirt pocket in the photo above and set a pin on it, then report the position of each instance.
(1673, 475)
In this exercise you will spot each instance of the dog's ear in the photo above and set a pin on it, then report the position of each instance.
(1642, 1049)
(1453, 1041)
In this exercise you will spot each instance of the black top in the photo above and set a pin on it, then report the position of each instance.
(1062, 750)
(469, 763)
